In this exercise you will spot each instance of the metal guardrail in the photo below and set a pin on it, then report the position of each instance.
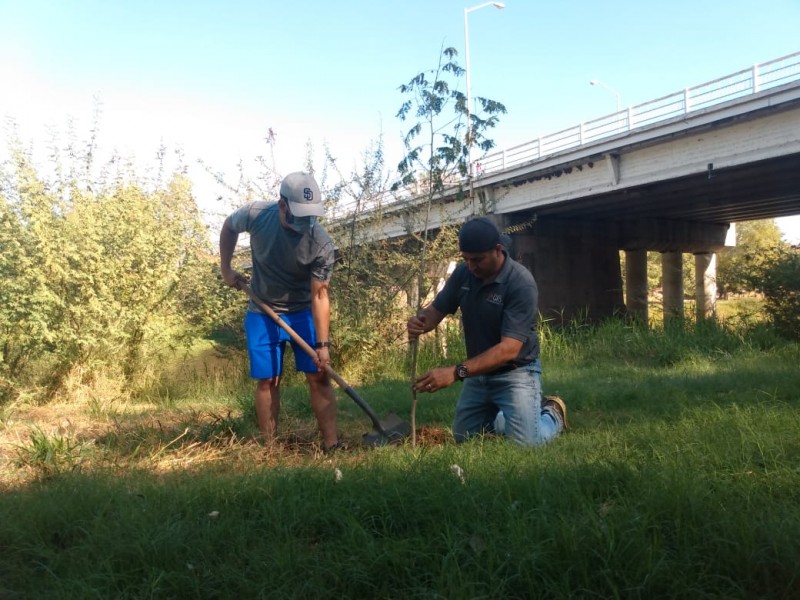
(737, 85)
(758, 78)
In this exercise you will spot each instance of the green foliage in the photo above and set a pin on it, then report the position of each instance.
(26, 237)
(95, 276)
(780, 283)
(679, 479)
(653, 346)
(758, 245)
(437, 144)
(763, 262)
(51, 454)
(375, 283)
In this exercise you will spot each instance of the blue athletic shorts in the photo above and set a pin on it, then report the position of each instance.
(266, 343)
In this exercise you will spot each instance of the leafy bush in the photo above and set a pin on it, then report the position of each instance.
(780, 283)
(95, 276)
(758, 245)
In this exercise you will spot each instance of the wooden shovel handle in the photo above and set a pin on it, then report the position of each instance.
(313, 354)
(294, 335)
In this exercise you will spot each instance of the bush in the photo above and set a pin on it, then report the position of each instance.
(780, 284)
(96, 277)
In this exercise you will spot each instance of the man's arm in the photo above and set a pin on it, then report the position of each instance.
(500, 354)
(227, 244)
(424, 321)
(321, 313)
(487, 361)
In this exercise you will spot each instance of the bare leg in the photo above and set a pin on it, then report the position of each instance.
(268, 406)
(323, 401)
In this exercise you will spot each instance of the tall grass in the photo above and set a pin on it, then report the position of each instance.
(679, 479)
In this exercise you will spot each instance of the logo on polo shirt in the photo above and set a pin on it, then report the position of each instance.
(495, 298)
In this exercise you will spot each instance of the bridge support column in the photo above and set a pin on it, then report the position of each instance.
(705, 269)
(672, 285)
(636, 284)
(577, 269)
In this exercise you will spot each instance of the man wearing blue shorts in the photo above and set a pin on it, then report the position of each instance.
(292, 263)
(498, 300)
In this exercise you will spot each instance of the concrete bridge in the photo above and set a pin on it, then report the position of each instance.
(670, 175)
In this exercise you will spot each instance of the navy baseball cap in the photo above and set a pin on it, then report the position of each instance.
(478, 235)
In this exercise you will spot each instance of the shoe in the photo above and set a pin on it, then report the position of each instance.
(557, 405)
(337, 447)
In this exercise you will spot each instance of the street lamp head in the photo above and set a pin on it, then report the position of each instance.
(608, 87)
(484, 5)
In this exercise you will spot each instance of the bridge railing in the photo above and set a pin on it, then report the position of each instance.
(737, 85)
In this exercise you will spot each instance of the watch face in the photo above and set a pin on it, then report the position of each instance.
(462, 371)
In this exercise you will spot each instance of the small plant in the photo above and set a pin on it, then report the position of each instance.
(50, 455)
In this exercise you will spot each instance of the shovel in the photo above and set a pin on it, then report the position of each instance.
(392, 430)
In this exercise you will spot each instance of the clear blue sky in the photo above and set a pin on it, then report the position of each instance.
(212, 76)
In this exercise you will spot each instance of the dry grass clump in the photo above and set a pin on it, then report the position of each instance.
(41, 441)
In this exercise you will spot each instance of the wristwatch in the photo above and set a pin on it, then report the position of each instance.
(462, 372)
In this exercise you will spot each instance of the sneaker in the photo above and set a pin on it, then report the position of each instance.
(558, 406)
(337, 447)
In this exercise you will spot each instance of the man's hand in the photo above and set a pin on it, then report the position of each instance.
(435, 380)
(323, 358)
(416, 326)
(233, 278)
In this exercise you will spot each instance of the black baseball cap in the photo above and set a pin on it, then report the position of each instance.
(478, 235)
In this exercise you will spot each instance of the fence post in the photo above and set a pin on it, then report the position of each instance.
(756, 82)
(630, 118)
(581, 136)
(686, 100)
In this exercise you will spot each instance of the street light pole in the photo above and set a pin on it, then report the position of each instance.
(608, 87)
(498, 5)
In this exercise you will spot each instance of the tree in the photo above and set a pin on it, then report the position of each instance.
(440, 157)
(92, 271)
(437, 144)
(758, 245)
(780, 283)
(437, 150)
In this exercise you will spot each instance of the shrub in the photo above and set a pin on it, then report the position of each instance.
(780, 284)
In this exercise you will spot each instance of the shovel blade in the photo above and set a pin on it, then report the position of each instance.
(395, 430)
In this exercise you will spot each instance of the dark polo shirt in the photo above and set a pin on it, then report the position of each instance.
(504, 307)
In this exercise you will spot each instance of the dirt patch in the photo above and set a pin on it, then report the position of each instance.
(433, 436)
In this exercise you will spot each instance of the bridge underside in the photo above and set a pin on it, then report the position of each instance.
(672, 188)
(573, 247)
(576, 264)
(758, 190)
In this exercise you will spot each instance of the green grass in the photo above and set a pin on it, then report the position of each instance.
(680, 479)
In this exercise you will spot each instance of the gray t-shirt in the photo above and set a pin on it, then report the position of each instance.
(503, 307)
(283, 261)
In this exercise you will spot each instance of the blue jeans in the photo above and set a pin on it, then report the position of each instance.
(509, 401)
